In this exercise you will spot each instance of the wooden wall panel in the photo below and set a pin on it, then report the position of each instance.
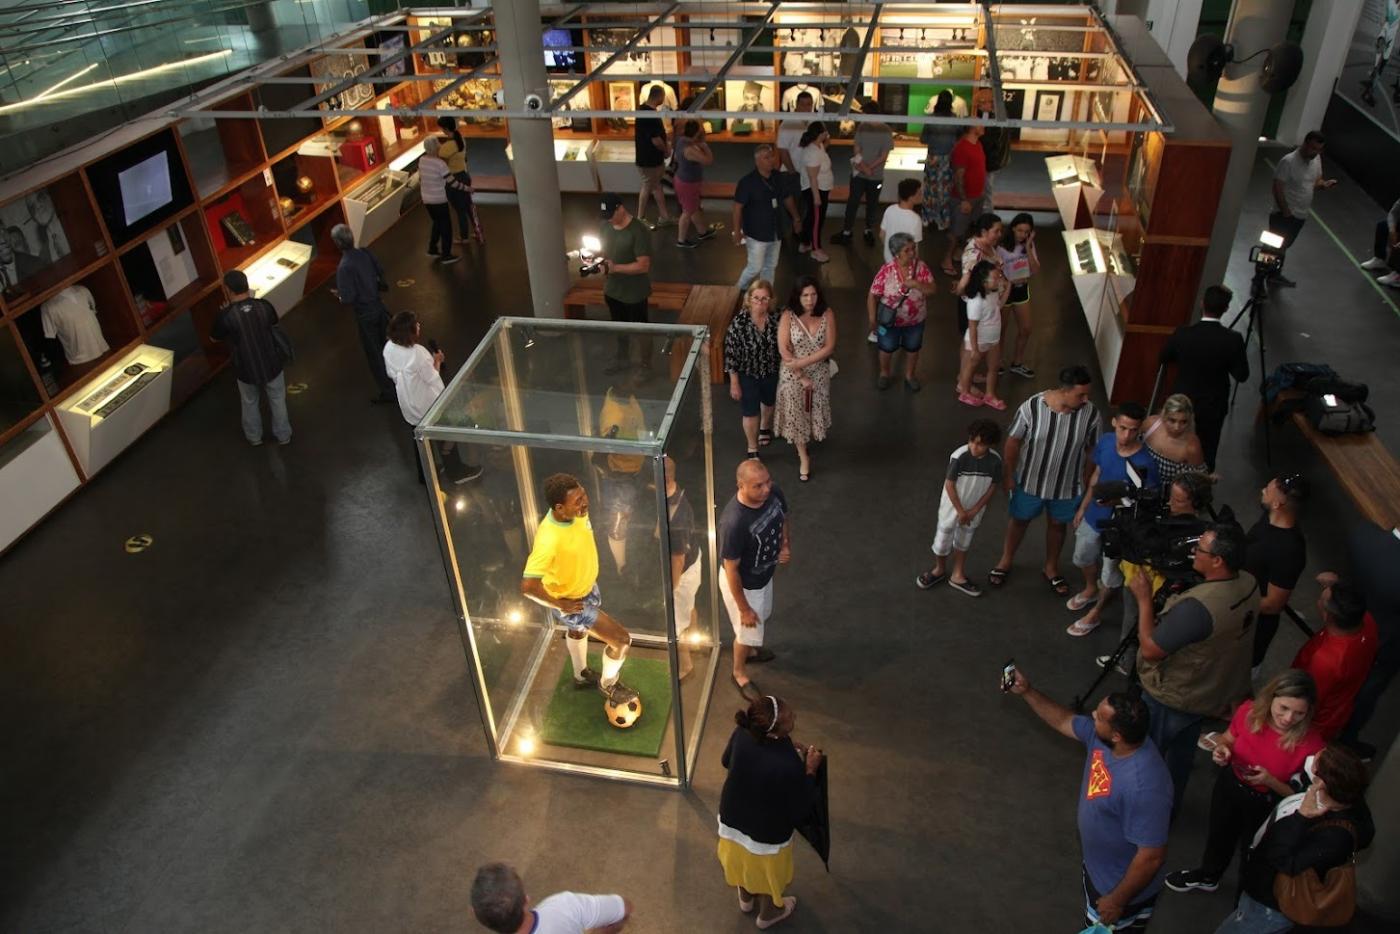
(1165, 293)
(1187, 190)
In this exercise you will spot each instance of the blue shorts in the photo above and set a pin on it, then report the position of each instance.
(910, 338)
(583, 620)
(1024, 507)
(756, 390)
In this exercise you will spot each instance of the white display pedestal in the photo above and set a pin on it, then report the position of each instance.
(280, 276)
(1071, 177)
(372, 208)
(97, 438)
(615, 163)
(904, 162)
(35, 475)
(574, 160)
(1103, 275)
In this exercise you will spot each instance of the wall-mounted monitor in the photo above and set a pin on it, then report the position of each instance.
(558, 57)
(140, 186)
(145, 188)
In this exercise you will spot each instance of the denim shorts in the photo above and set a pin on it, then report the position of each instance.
(755, 390)
(583, 620)
(910, 337)
(1024, 507)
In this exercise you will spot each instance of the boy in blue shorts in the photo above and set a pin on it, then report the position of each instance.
(974, 470)
(562, 574)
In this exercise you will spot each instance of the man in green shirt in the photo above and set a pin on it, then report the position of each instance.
(627, 265)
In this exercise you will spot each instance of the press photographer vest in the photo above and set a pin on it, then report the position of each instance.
(1209, 676)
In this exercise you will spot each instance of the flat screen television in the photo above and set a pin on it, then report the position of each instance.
(145, 187)
(140, 186)
(558, 56)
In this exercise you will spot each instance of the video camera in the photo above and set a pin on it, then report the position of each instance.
(1143, 532)
(1267, 255)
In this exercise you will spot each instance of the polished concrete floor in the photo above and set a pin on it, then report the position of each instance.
(264, 722)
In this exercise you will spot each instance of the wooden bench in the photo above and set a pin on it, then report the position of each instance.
(667, 296)
(1366, 470)
(711, 306)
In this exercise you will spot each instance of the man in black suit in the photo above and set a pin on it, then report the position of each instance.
(15, 266)
(1207, 354)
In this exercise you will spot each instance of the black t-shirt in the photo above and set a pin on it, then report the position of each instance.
(753, 537)
(1274, 556)
(648, 129)
(759, 199)
(684, 539)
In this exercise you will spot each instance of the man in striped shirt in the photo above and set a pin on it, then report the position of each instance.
(1047, 456)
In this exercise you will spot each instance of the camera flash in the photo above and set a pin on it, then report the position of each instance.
(592, 244)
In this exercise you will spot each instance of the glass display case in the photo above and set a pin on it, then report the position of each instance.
(280, 275)
(534, 401)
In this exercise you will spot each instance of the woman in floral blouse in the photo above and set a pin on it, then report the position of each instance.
(751, 359)
(902, 284)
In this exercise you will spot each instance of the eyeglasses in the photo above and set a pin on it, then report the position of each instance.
(1198, 550)
(760, 298)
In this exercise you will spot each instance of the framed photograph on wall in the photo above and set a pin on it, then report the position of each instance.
(1048, 105)
(622, 95)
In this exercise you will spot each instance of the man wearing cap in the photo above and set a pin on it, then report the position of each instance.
(627, 265)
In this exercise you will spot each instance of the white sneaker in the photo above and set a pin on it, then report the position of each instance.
(871, 338)
(1375, 264)
(1391, 279)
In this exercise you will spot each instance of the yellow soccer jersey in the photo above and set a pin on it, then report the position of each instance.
(565, 557)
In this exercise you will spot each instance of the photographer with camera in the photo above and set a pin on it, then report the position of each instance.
(1119, 458)
(626, 262)
(1195, 653)
(1188, 505)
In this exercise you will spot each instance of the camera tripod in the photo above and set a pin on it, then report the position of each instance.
(1256, 306)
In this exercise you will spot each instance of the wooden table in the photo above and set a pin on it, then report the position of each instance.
(668, 296)
(1367, 471)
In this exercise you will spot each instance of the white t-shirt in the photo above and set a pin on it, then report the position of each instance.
(815, 157)
(71, 316)
(986, 311)
(1299, 181)
(900, 220)
(416, 380)
(789, 135)
(572, 913)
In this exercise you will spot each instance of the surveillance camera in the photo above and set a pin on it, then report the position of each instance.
(534, 103)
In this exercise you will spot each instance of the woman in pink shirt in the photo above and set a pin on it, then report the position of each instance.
(1267, 743)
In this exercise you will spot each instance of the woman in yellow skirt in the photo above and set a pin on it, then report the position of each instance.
(770, 788)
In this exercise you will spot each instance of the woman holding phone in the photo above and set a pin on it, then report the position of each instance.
(1019, 262)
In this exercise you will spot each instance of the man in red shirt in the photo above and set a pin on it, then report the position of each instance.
(1340, 656)
(969, 163)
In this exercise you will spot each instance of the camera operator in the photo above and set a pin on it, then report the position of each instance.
(1195, 654)
(1188, 497)
(626, 243)
(1275, 553)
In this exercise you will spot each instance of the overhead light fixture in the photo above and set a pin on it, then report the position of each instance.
(54, 94)
(68, 80)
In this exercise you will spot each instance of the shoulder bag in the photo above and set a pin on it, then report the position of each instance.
(280, 340)
(1320, 902)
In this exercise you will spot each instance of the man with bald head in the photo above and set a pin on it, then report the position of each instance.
(753, 540)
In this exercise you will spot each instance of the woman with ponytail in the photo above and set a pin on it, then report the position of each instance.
(770, 789)
(453, 151)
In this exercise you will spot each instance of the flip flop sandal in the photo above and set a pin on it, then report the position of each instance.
(1077, 628)
(765, 436)
(1057, 584)
(997, 576)
(1078, 602)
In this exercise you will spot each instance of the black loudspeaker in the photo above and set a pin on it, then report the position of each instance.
(1281, 67)
(1206, 60)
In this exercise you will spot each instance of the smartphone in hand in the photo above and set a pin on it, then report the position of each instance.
(1008, 675)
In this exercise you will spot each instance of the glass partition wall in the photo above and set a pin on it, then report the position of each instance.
(625, 410)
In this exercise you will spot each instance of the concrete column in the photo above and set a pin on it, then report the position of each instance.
(1379, 865)
(518, 36)
(1239, 107)
(1325, 42)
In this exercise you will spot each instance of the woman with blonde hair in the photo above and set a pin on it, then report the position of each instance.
(1269, 739)
(1171, 440)
(752, 361)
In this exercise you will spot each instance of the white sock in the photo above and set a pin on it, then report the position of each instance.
(611, 667)
(578, 652)
(618, 547)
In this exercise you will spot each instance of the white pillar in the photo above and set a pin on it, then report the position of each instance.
(1325, 43)
(521, 49)
(1240, 105)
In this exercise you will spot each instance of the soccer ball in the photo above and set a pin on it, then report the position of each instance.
(623, 716)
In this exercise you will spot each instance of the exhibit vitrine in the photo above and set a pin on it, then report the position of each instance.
(608, 405)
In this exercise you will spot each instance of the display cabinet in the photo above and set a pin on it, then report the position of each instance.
(372, 207)
(1077, 186)
(19, 396)
(36, 475)
(533, 401)
(574, 159)
(51, 233)
(222, 150)
(304, 183)
(76, 329)
(903, 162)
(169, 268)
(245, 221)
(282, 135)
(117, 405)
(616, 165)
(279, 276)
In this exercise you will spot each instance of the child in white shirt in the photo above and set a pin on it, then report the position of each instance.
(986, 291)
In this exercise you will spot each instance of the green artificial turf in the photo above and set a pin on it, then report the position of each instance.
(575, 716)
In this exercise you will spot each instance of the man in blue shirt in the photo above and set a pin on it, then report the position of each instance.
(757, 199)
(1120, 457)
(1125, 805)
